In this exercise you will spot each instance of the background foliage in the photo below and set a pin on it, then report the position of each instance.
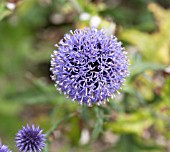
(137, 120)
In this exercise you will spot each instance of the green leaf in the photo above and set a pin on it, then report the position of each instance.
(3, 10)
(131, 123)
(98, 128)
(140, 67)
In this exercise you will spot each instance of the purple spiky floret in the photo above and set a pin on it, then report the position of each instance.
(89, 66)
(30, 139)
(4, 148)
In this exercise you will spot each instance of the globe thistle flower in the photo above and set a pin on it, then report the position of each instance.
(89, 66)
(4, 148)
(30, 139)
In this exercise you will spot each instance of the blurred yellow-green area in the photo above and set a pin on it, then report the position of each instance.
(137, 120)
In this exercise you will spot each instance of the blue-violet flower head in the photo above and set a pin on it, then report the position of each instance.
(4, 148)
(89, 66)
(30, 139)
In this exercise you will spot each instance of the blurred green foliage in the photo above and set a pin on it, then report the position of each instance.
(157, 43)
(137, 120)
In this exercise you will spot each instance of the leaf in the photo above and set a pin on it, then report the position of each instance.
(3, 10)
(98, 128)
(38, 93)
(140, 67)
(131, 123)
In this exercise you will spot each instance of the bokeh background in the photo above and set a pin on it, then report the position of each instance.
(137, 120)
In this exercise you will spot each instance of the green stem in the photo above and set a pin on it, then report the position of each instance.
(54, 127)
(76, 5)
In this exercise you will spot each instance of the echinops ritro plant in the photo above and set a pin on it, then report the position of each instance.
(89, 66)
(4, 148)
(30, 139)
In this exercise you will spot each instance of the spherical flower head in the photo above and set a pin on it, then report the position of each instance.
(4, 148)
(30, 139)
(89, 66)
